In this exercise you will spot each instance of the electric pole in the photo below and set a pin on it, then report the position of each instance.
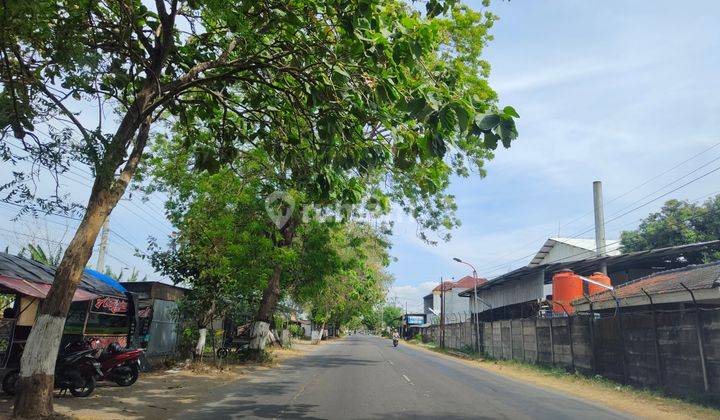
(442, 314)
(103, 246)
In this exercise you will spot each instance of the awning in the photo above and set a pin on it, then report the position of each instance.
(40, 290)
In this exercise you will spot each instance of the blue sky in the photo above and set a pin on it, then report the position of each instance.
(615, 91)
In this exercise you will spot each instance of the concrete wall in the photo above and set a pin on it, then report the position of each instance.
(643, 349)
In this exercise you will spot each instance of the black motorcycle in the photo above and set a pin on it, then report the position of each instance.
(76, 371)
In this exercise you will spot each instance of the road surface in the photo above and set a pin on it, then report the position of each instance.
(362, 377)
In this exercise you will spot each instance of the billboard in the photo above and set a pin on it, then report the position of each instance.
(415, 320)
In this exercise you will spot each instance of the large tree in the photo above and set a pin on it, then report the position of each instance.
(677, 223)
(333, 83)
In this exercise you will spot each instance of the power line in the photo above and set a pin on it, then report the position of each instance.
(158, 217)
(619, 214)
(133, 247)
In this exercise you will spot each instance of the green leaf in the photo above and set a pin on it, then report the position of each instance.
(507, 132)
(448, 118)
(416, 107)
(487, 121)
(510, 112)
(436, 145)
(491, 140)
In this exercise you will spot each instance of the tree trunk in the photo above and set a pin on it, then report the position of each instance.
(200, 346)
(37, 365)
(261, 326)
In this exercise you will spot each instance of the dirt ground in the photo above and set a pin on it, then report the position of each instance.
(636, 403)
(160, 393)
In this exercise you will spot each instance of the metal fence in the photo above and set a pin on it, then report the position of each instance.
(675, 350)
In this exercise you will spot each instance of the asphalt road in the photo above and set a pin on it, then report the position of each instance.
(363, 377)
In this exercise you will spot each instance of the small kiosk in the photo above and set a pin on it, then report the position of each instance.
(101, 308)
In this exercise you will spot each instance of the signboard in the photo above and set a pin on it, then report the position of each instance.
(110, 305)
(415, 319)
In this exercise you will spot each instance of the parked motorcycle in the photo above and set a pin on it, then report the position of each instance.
(76, 371)
(117, 364)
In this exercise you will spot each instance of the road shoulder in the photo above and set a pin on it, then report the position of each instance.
(161, 393)
(639, 403)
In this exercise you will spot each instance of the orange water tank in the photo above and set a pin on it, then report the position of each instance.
(567, 287)
(600, 278)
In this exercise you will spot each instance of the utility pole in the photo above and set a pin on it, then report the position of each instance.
(600, 247)
(474, 305)
(103, 246)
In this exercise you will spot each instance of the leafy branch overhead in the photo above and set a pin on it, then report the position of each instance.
(333, 93)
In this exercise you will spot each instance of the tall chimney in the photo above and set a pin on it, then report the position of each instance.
(600, 247)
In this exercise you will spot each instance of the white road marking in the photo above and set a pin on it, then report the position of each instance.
(407, 379)
(391, 362)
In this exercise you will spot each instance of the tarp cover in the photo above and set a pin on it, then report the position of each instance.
(40, 290)
(23, 268)
(107, 279)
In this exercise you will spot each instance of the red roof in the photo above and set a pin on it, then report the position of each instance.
(446, 285)
(40, 290)
(467, 282)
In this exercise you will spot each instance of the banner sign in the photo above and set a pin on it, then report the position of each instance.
(415, 320)
(110, 305)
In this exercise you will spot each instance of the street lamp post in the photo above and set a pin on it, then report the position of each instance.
(477, 316)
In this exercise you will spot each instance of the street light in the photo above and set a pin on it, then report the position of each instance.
(477, 318)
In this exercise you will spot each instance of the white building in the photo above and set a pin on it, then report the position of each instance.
(457, 307)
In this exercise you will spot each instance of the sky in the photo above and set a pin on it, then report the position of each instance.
(614, 91)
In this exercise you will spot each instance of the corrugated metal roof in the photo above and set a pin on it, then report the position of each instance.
(27, 269)
(590, 264)
(582, 243)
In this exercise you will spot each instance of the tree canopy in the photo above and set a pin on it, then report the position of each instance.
(677, 223)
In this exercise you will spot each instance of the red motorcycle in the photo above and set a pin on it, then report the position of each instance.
(118, 364)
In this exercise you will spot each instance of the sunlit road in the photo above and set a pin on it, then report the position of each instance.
(362, 377)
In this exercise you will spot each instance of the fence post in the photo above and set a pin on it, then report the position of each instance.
(698, 329)
(622, 337)
(512, 353)
(569, 333)
(592, 334)
(656, 343)
(537, 342)
(522, 338)
(552, 344)
(492, 338)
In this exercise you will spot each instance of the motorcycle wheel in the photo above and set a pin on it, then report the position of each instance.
(222, 352)
(9, 382)
(85, 388)
(131, 378)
